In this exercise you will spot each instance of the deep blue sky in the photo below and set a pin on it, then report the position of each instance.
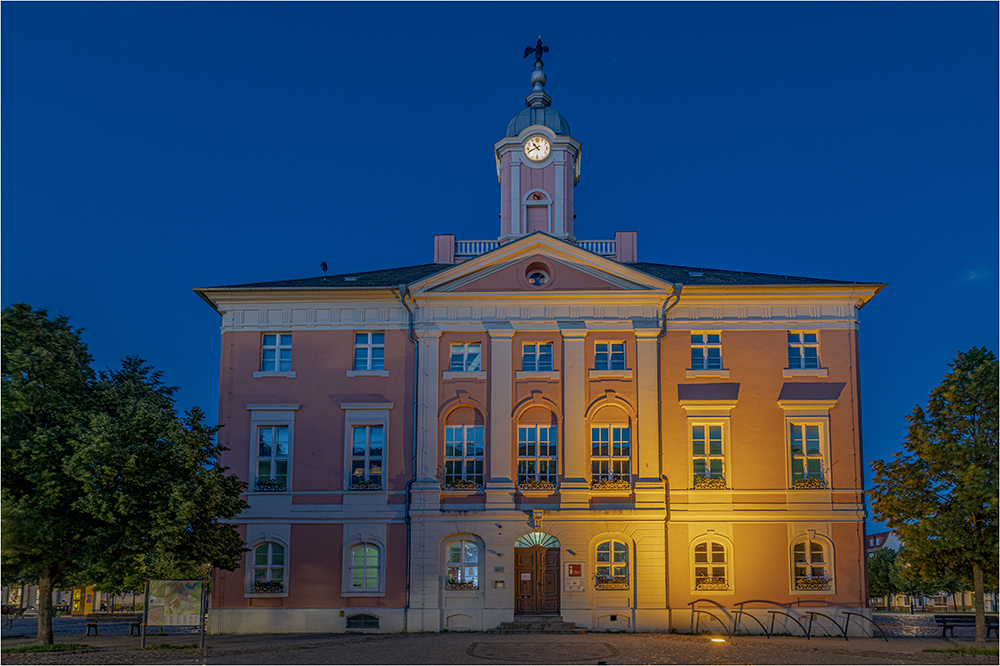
(152, 148)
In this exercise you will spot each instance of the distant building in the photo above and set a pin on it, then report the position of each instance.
(880, 540)
(541, 425)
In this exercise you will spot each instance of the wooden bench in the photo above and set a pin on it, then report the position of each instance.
(13, 611)
(947, 622)
(134, 620)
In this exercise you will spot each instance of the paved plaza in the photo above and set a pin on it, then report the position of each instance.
(909, 637)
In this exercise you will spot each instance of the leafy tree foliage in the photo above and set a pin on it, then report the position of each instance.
(881, 573)
(940, 496)
(103, 482)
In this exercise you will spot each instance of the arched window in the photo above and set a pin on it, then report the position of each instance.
(268, 570)
(611, 565)
(537, 449)
(362, 621)
(364, 568)
(811, 566)
(462, 566)
(464, 450)
(711, 565)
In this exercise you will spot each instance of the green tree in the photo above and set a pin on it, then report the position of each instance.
(940, 496)
(102, 482)
(881, 570)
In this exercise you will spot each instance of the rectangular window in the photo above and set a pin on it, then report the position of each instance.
(537, 356)
(707, 444)
(366, 457)
(536, 456)
(807, 456)
(276, 352)
(463, 457)
(803, 350)
(706, 351)
(465, 357)
(369, 351)
(272, 459)
(610, 454)
(609, 356)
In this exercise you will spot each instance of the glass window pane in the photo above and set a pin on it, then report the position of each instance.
(793, 338)
(471, 553)
(360, 338)
(455, 552)
(713, 338)
(378, 338)
(809, 338)
(277, 554)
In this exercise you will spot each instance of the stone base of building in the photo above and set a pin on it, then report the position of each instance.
(301, 620)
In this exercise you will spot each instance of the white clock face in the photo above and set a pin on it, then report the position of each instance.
(536, 148)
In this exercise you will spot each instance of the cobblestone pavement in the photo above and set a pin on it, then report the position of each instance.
(909, 637)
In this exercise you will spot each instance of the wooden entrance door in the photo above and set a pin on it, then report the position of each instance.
(536, 577)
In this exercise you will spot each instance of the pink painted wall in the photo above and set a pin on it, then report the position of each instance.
(562, 278)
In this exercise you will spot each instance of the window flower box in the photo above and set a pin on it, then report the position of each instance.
(706, 483)
(462, 484)
(461, 585)
(366, 485)
(809, 483)
(813, 583)
(535, 484)
(712, 583)
(611, 484)
(267, 587)
(610, 582)
(268, 486)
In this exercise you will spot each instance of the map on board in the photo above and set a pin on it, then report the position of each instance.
(174, 602)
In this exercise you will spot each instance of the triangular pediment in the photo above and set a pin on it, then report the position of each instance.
(540, 264)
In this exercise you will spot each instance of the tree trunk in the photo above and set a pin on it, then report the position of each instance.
(46, 580)
(980, 598)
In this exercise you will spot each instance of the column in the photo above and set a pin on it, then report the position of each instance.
(649, 489)
(574, 492)
(426, 488)
(500, 487)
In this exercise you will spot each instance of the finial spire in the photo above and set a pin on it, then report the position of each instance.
(537, 98)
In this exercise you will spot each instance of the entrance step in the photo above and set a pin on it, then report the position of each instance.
(538, 624)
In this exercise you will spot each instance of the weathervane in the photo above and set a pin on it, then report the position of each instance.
(537, 49)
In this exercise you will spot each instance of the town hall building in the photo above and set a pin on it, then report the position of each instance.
(539, 425)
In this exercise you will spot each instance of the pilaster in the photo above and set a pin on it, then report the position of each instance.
(574, 492)
(426, 487)
(500, 487)
(650, 492)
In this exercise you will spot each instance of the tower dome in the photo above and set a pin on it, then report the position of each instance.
(538, 105)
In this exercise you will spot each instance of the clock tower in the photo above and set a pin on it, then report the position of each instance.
(538, 165)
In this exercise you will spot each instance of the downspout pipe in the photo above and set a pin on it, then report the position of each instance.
(667, 306)
(403, 290)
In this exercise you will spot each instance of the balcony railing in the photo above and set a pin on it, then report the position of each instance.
(605, 248)
(474, 248)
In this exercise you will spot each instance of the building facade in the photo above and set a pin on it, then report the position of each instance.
(542, 425)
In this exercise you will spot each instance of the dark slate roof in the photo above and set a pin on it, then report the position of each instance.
(390, 277)
(688, 275)
(544, 115)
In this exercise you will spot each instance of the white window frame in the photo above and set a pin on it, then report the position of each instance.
(799, 367)
(706, 345)
(827, 564)
(278, 346)
(710, 412)
(465, 458)
(535, 364)
(271, 415)
(367, 365)
(366, 456)
(710, 540)
(364, 567)
(362, 414)
(808, 412)
(551, 432)
(463, 565)
(251, 566)
(609, 347)
(611, 568)
(611, 458)
(463, 351)
(724, 455)
(801, 425)
(273, 434)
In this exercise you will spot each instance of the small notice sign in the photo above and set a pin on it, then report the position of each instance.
(573, 580)
(526, 576)
(575, 571)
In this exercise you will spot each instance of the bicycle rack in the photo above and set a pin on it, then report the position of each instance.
(791, 617)
(736, 622)
(814, 613)
(711, 614)
(875, 624)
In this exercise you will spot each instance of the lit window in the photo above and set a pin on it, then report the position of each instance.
(369, 351)
(805, 440)
(272, 459)
(706, 351)
(708, 456)
(462, 568)
(366, 457)
(810, 566)
(536, 456)
(463, 457)
(276, 352)
(364, 568)
(268, 570)
(609, 356)
(465, 357)
(610, 455)
(803, 350)
(537, 356)
(611, 565)
(711, 566)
